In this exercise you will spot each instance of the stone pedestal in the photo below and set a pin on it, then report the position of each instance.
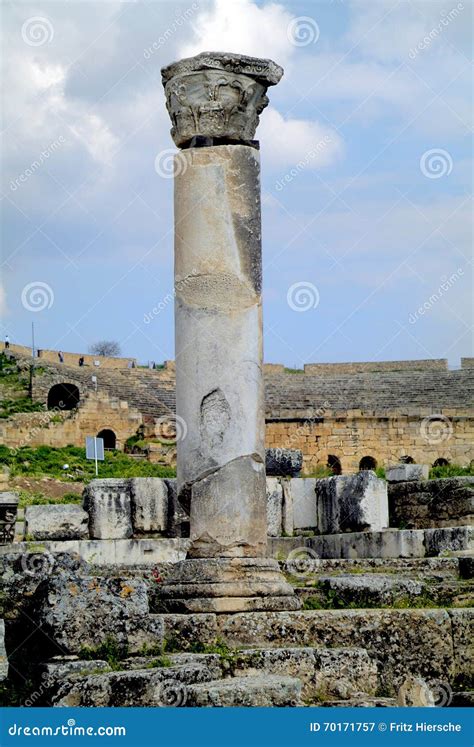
(214, 101)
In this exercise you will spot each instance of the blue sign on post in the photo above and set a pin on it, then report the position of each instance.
(95, 450)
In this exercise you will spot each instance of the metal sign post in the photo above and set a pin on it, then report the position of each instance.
(95, 451)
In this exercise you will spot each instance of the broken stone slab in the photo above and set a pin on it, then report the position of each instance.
(152, 687)
(258, 691)
(121, 553)
(149, 499)
(56, 522)
(83, 611)
(371, 590)
(3, 653)
(351, 503)
(339, 672)
(108, 503)
(178, 517)
(303, 497)
(274, 507)
(462, 627)
(283, 462)
(448, 540)
(407, 472)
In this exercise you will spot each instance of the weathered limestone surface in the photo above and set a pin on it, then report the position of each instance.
(79, 611)
(283, 462)
(108, 504)
(56, 522)
(351, 503)
(3, 653)
(406, 472)
(274, 507)
(304, 502)
(260, 691)
(432, 503)
(390, 543)
(149, 496)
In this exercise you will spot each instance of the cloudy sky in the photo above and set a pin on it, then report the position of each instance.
(366, 173)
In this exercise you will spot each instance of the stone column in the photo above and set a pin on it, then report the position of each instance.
(214, 100)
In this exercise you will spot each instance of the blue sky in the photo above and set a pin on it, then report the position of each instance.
(366, 173)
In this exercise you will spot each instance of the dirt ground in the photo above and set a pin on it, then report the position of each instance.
(49, 486)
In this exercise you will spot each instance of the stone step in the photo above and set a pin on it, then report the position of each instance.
(423, 569)
(156, 686)
(429, 643)
(383, 590)
(389, 543)
(361, 701)
(260, 691)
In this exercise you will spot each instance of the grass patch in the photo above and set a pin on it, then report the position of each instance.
(47, 460)
(450, 470)
(110, 650)
(10, 407)
(320, 472)
(40, 499)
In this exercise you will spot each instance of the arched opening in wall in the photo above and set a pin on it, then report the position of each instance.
(63, 397)
(407, 460)
(440, 462)
(334, 464)
(367, 462)
(110, 439)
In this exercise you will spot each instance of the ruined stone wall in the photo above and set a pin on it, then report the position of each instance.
(54, 428)
(328, 369)
(386, 438)
(71, 359)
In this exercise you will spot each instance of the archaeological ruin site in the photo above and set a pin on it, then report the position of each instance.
(297, 537)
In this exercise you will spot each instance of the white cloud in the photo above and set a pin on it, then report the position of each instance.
(3, 301)
(96, 136)
(242, 26)
(297, 142)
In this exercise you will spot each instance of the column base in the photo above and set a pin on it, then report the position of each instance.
(226, 585)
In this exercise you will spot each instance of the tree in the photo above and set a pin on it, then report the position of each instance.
(105, 347)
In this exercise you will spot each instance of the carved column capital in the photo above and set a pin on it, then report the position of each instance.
(217, 95)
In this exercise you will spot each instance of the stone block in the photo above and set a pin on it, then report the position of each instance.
(448, 540)
(432, 503)
(108, 503)
(149, 497)
(3, 653)
(260, 690)
(351, 503)
(82, 611)
(56, 522)
(304, 502)
(283, 462)
(406, 472)
(274, 507)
